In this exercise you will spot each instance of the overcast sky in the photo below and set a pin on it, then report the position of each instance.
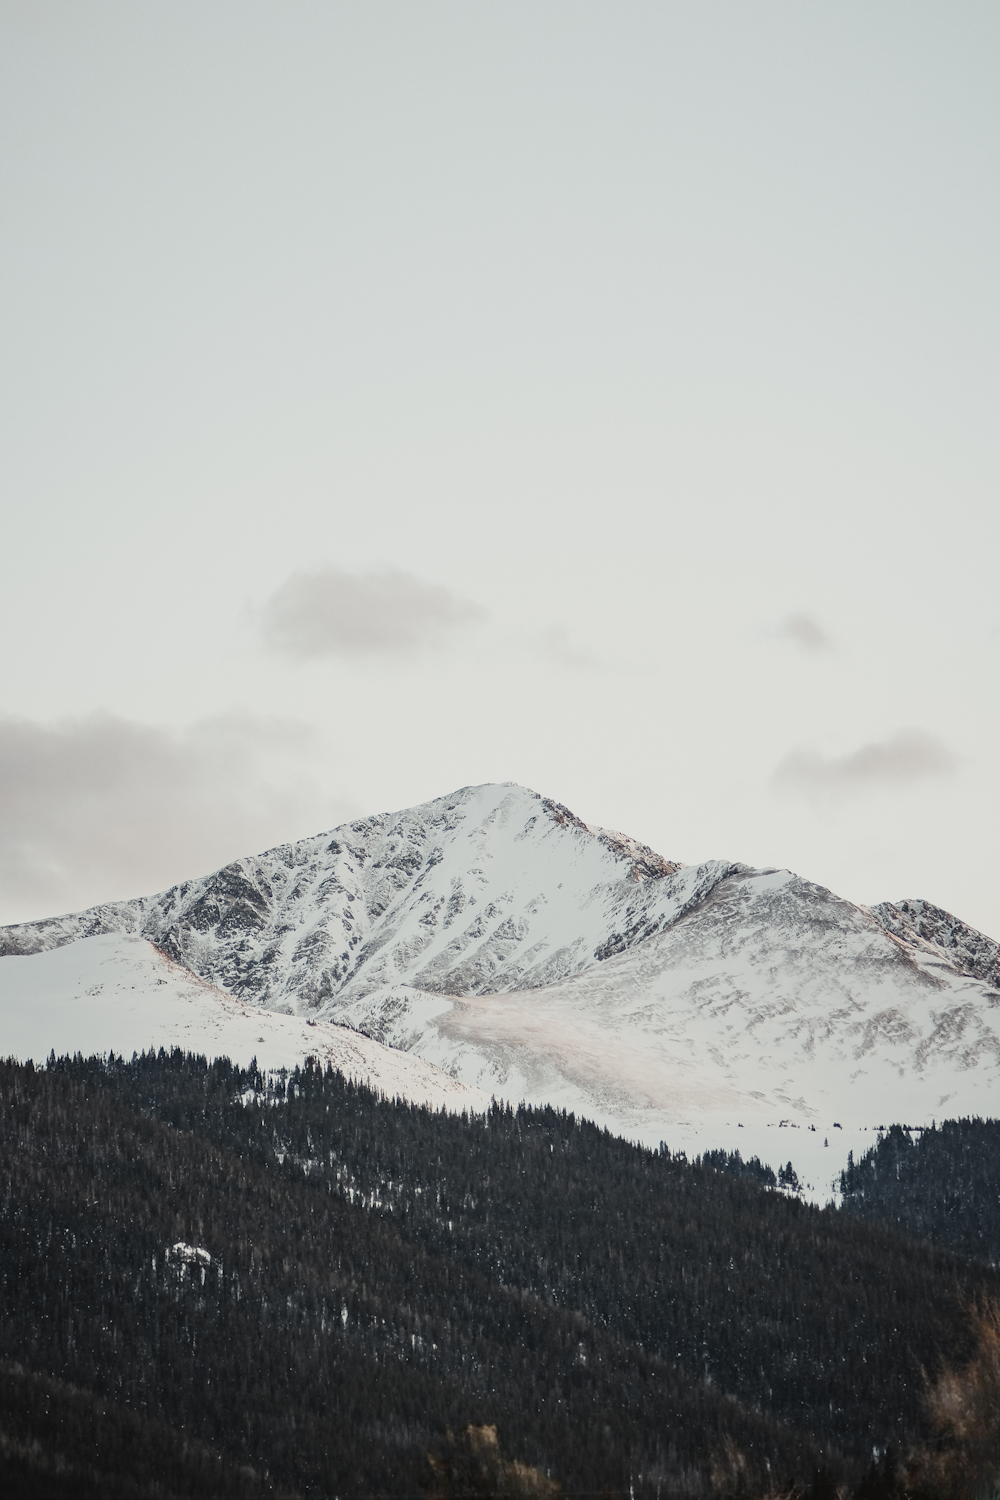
(601, 397)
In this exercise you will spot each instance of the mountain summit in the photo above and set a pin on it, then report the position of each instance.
(489, 889)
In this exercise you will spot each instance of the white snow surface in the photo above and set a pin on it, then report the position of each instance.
(117, 993)
(189, 1255)
(525, 954)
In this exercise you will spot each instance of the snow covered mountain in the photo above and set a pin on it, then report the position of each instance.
(488, 889)
(495, 935)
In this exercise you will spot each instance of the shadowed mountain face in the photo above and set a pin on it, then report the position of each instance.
(495, 934)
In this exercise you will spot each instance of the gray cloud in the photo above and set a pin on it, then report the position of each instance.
(102, 808)
(908, 755)
(316, 614)
(805, 631)
(557, 646)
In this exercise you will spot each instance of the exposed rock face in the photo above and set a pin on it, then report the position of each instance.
(970, 952)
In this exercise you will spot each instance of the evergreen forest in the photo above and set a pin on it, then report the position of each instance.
(941, 1185)
(219, 1283)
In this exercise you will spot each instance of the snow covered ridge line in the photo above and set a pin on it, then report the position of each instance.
(646, 863)
(489, 890)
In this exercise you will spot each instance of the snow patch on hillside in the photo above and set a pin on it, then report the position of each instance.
(118, 994)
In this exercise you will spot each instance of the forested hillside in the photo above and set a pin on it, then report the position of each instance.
(293, 1286)
(940, 1185)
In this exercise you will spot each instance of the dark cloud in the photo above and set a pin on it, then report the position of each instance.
(102, 808)
(805, 631)
(908, 755)
(316, 614)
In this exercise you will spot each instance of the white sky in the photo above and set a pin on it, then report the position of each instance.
(600, 397)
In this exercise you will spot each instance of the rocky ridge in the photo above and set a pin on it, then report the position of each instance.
(920, 923)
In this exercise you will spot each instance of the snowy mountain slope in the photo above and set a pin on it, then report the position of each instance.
(117, 993)
(497, 936)
(771, 1006)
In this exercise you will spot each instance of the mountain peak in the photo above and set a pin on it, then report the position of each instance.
(490, 887)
